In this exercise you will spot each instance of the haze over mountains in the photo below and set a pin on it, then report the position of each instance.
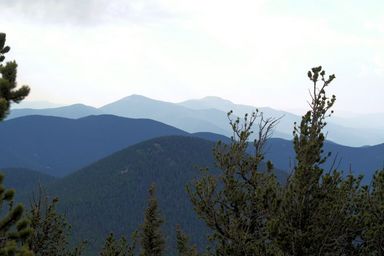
(101, 165)
(58, 146)
(210, 115)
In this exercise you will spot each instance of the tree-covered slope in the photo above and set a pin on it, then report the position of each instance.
(25, 181)
(111, 194)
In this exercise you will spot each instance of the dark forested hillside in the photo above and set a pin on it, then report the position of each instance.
(110, 195)
(24, 181)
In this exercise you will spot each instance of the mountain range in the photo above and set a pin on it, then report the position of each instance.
(58, 146)
(210, 115)
(101, 165)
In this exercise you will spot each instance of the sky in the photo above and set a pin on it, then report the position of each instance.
(254, 52)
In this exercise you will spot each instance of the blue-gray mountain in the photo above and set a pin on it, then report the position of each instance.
(71, 111)
(209, 115)
(356, 131)
(58, 146)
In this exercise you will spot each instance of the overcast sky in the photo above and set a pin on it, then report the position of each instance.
(249, 51)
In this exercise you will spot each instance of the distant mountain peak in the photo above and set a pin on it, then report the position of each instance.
(209, 102)
(135, 97)
(78, 105)
(216, 99)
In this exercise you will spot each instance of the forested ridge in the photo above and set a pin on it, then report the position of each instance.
(243, 208)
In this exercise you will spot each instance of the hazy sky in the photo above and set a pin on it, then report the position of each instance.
(249, 51)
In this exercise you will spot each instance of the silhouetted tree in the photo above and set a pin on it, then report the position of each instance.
(14, 229)
(113, 247)
(372, 214)
(152, 239)
(314, 213)
(235, 203)
(50, 229)
(183, 247)
(8, 91)
(316, 209)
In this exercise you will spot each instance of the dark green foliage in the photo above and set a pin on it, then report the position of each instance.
(50, 229)
(8, 91)
(314, 213)
(234, 203)
(14, 229)
(308, 137)
(316, 209)
(372, 213)
(182, 244)
(113, 247)
(3, 49)
(152, 238)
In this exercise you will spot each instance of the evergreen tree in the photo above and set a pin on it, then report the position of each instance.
(152, 239)
(8, 91)
(14, 229)
(113, 247)
(372, 214)
(50, 229)
(183, 247)
(316, 213)
(235, 203)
